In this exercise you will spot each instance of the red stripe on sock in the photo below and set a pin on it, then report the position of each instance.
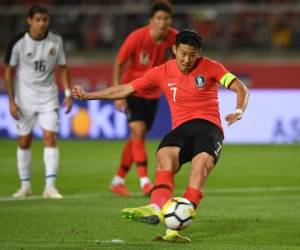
(161, 195)
(194, 195)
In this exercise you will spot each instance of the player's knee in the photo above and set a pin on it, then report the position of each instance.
(138, 130)
(50, 139)
(204, 159)
(25, 142)
(165, 160)
(138, 133)
(24, 145)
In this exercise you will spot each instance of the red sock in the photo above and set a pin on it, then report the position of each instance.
(163, 187)
(139, 154)
(126, 160)
(194, 195)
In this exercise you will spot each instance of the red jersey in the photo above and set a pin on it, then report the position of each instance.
(190, 96)
(142, 53)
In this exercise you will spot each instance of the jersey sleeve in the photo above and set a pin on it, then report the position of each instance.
(221, 74)
(149, 81)
(127, 49)
(13, 59)
(12, 54)
(61, 57)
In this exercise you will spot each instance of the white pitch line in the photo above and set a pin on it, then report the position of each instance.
(252, 189)
(209, 191)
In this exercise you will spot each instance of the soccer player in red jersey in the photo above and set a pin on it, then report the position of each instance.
(143, 49)
(190, 83)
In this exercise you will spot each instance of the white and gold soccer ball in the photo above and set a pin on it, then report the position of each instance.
(178, 213)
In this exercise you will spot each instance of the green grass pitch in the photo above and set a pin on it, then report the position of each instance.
(252, 201)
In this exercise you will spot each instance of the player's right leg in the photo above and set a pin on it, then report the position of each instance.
(23, 163)
(24, 128)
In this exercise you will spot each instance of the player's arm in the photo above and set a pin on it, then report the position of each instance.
(9, 75)
(242, 96)
(65, 78)
(112, 93)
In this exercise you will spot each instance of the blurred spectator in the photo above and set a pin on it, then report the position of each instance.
(222, 27)
(281, 33)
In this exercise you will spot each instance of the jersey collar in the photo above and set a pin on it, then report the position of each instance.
(44, 37)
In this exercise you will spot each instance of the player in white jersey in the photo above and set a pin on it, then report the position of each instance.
(33, 97)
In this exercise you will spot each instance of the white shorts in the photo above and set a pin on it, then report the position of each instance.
(47, 120)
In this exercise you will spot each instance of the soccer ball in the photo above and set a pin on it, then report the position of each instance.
(178, 213)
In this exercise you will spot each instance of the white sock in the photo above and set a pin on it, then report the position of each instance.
(144, 181)
(51, 156)
(23, 163)
(155, 206)
(117, 180)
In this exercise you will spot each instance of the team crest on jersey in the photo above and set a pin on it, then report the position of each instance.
(144, 58)
(52, 51)
(200, 81)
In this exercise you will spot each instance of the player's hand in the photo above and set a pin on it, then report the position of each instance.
(121, 105)
(68, 103)
(231, 118)
(78, 93)
(14, 110)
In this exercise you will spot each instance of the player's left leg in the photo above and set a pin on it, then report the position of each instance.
(49, 122)
(23, 163)
(51, 158)
(204, 151)
(202, 165)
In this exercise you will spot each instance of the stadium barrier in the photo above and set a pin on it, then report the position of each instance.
(272, 117)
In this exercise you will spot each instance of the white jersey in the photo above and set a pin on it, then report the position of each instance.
(35, 61)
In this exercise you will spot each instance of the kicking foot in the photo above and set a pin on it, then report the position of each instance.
(173, 236)
(120, 190)
(147, 214)
(22, 193)
(52, 193)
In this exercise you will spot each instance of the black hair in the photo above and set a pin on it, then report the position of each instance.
(37, 9)
(189, 37)
(161, 5)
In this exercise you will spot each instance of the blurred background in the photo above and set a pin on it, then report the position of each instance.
(259, 41)
(261, 26)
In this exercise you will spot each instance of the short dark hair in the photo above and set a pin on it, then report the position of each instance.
(160, 5)
(189, 37)
(37, 9)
